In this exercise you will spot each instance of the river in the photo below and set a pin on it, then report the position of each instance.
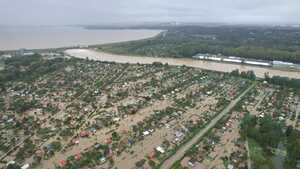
(39, 37)
(208, 65)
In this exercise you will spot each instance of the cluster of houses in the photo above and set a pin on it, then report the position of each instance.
(71, 85)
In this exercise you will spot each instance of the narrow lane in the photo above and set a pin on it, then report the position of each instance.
(248, 155)
(180, 153)
(297, 113)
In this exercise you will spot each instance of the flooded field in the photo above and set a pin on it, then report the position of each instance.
(216, 66)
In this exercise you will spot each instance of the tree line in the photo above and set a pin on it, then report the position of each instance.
(249, 42)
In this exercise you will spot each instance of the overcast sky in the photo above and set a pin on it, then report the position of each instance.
(63, 12)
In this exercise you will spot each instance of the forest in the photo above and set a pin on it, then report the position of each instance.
(266, 43)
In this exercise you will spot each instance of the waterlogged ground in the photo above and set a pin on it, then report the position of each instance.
(72, 112)
(101, 114)
(215, 66)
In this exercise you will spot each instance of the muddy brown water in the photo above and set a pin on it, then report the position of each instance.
(40, 37)
(208, 65)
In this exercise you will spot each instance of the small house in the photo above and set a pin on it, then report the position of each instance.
(160, 149)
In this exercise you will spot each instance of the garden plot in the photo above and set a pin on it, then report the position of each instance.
(221, 148)
(137, 111)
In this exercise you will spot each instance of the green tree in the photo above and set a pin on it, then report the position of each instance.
(13, 166)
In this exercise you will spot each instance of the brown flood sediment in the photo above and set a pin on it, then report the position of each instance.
(208, 65)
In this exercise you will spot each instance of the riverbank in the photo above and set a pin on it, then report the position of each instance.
(208, 65)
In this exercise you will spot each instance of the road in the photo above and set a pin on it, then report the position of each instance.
(14, 148)
(297, 114)
(180, 153)
(248, 155)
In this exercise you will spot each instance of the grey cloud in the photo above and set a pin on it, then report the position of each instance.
(45, 12)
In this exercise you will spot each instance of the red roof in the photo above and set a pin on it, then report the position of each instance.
(152, 154)
(78, 156)
(84, 134)
(86, 167)
(62, 163)
(108, 141)
(39, 153)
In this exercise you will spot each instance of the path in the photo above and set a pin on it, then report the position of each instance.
(180, 153)
(297, 114)
(14, 148)
(248, 155)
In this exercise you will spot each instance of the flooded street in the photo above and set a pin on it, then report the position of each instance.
(215, 66)
(279, 158)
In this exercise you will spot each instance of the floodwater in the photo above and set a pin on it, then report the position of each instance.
(278, 159)
(39, 37)
(208, 65)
